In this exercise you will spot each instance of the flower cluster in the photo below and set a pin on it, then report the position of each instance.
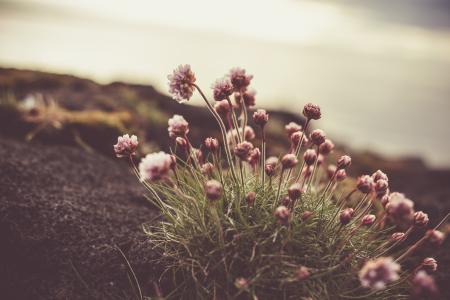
(237, 222)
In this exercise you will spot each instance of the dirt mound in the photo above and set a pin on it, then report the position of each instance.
(62, 212)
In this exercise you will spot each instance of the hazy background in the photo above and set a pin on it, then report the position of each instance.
(379, 69)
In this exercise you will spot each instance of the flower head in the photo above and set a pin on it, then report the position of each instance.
(344, 162)
(420, 219)
(379, 272)
(296, 137)
(302, 273)
(289, 161)
(381, 187)
(242, 150)
(341, 174)
(326, 147)
(311, 111)
(213, 189)
(155, 166)
(222, 89)
(181, 142)
(181, 83)
(254, 157)
(222, 107)
(240, 79)
(295, 191)
(400, 208)
(282, 213)
(178, 126)
(364, 184)
(368, 220)
(310, 157)
(260, 117)
(379, 175)
(249, 98)
(424, 286)
(430, 264)
(126, 145)
(397, 236)
(435, 236)
(269, 170)
(292, 127)
(207, 168)
(317, 137)
(250, 198)
(346, 215)
(212, 144)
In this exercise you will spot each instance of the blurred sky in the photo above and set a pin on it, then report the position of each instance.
(379, 69)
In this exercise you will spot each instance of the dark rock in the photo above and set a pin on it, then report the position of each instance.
(62, 213)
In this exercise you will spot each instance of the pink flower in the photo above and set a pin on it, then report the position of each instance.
(126, 145)
(346, 215)
(270, 170)
(207, 168)
(420, 219)
(430, 264)
(222, 89)
(302, 273)
(155, 166)
(178, 126)
(250, 198)
(212, 144)
(344, 162)
(310, 157)
(381, 187)
(295, 191)
(282, 213)
(222, 107)
(254, 157)
(289, 161)
(292, 127)
(368, 220)
(400, 208)
(364, 184)
(248, 96)
(435, 236)
(424, 286)
(296, 137)
(181, 83)
(242, 150)
(326, 147)
(273, 161)
(397, 236)
(317, 137)
(240, 79)
(213, 189)
(311, 111)
(341, 175)
(379, 272)
(181, 142)
(379, 175)
(260, 117)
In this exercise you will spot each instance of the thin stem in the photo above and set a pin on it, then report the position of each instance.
(299, 146)
(263, 158)
(244, 123)
(224, 134)
(277, 199)
(235, 122)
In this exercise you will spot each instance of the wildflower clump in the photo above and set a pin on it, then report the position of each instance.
(239, 225)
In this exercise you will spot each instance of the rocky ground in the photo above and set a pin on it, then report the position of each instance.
(66, 204)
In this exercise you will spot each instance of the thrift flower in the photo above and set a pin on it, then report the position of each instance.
(341, 174)
(250, 198)
(311, 111)
(181, 83)
(430, 264)
(295, 191)
(302, 273)
(364, 184)
(317, 137)
(368, 220)
(424, 286)
(326, 147)
(397, 236)
(242, 150)
(282, 213)
(310, 157)
(400, 208)
(155, 166)
(289, 161)
(213, 189)
(222, 107)
(379, 272)
(178, 126)
(212, 144)
(222, 89)
(292, 127)
(344, 162)
(420, 219)
(435, 236)
(379, 175)
(260, 117)
(346, 215)
(239, 79)
(126, 145)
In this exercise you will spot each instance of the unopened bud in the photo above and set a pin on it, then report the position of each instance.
(364, 184)
(368, 220)
(317, 137)
(282, 213)
(250, 198)
(310, 157)
(295, 191)
(289, 161)
(420, 219)
(344, 162)
(346, 215)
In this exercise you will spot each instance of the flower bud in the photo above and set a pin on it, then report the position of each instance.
(295, 191)
(292, 127)
(381, 187)
(273, 161)
(306, 215)
(270, 170)
(397, 236)
(368, 220)
(420, 219)
(241, 283)
(311, 111)
(310, 157)
(213, 189)
(212, 144)
(435, 236)
(346, 215)
(260, 117)
(242, 150)
(379, 175)
(430, 264)
(250, 198)
(364, 184)
(331, 170)
(240, 79)
(424, 287)
(222, 89)
(248, 96)
(178, 126)
(254, 157)
(317, 137)
(282, 213)
(344, 162)
(207, 168)
(302, 273)
(222, 107)
(341, 174)
(326, 147)
(181, 142)
(126, 146)
(296, 137)
(289, 161)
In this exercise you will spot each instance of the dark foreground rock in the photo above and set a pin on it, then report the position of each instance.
(62, 213)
